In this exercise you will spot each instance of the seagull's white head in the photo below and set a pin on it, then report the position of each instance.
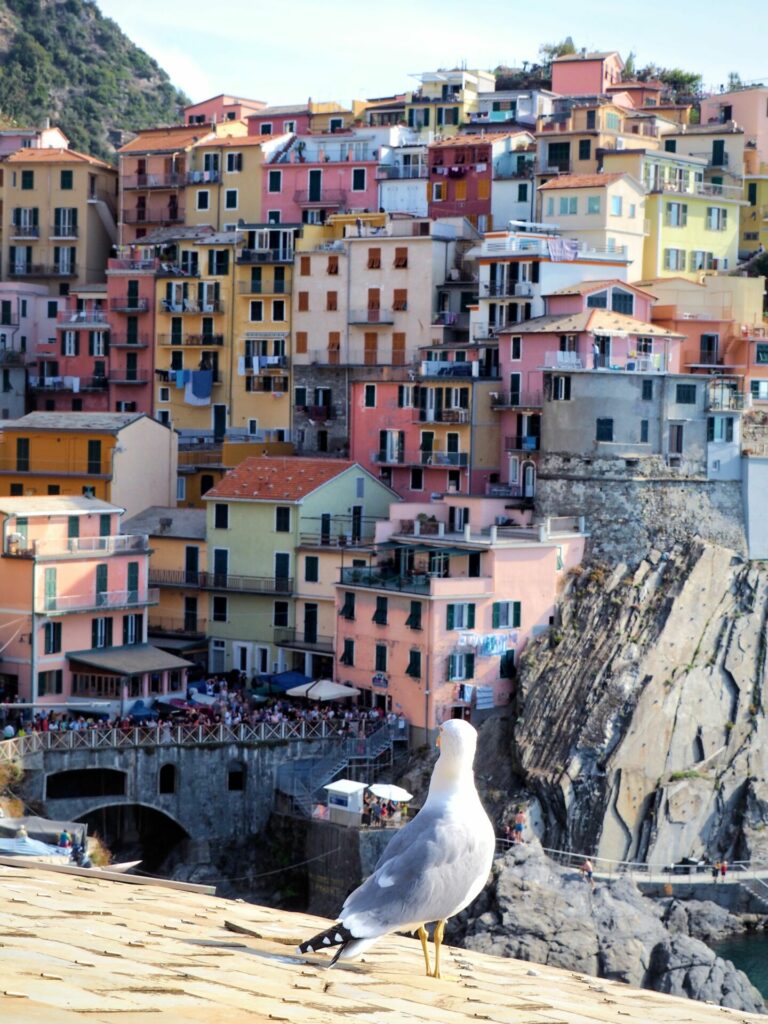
(457, 741)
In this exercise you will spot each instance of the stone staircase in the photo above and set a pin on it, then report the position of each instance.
(758, 890)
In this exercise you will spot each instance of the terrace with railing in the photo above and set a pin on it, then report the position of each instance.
(221, 581)
(134, 543)
(65, 603)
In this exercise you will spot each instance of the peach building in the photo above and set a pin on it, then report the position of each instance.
(432, 624)
(586, 74)
(73, 616)
(221, 108)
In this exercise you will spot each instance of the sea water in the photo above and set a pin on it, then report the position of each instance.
(750, 954)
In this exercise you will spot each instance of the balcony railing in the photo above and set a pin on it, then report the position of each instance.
(371, 316)
(129, 304)
(507, 289)
(522, 443)
(174, 180)
(166, 269)
(47, 605)
(134, 543)
(334, 540)
(282, 255)
(554, 167)
(64, 231)
(201, 455)
(156, 215)
(289, 636)
(420, 458)
(67, 383)
(135, 341)
(262, 288)
(453, 368)
(441, 415)
(128, 375)
(395, 171)
(516, 400)
(317, 412)
(379, 578)
(203, 177)
(196, 340)
(221, 581)
(25, 231)
(325, 197)
(447, 318)
(12, 357)
(62, 467)
(726, 400)
(42, 270)
(189, 626)
(192, 306)
(75, 318)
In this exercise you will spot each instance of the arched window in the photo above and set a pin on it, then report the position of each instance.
(166, 782)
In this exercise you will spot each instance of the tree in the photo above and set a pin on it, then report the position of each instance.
(549, 51)
(734, 81)
(630, 71)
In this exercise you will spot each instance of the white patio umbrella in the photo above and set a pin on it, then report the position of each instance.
(387, 791)
(323, 689)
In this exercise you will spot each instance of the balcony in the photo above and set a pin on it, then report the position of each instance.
(74, 318)
(195, 340)
(726, 399)
(317, 412)
(115, 599)
(192, 306)
(63, 231)
(440, 416)
(333, 540)
(522, 443)
(507, 290)
(323, 197)
(173, 180)
(517, 400)
(250, 256)
(20, 231)
(265, 364)
(262, 288)
(189, 627)
(128, 375)
(166, 269)
(447, 318)
(42, 270)
(58, 383)
(129, 304)
(12, 357)
(371, 316)
(697, 188)
(134, 342)
(201, 455)
(63, 467)
(121, 544)
(434, 584)
(156, 215)
(303, 640)
(451, 368)
(221, 581)
(398, 172)
(203, 177)
(555, 167)
(437, 458)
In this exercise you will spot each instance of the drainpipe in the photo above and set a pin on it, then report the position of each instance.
(33, 638)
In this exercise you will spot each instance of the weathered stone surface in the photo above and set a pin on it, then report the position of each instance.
(535, 910)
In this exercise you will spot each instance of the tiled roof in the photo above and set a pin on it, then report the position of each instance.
(79, 946)
(278, 479)
(587, 287)
(159, 521)
(110, 422)
(582, 180)
(237, 141)
(295, 108)
(55, 505)
(601, 321)
(56, 156)
(161, 139)
(476, 140)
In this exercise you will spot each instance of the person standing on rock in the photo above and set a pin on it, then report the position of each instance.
(519, 825)
(715, 870)
(723, 869)
(588, 871)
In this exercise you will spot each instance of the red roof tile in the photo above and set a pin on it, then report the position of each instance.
(278, 479)
(582, 180)
(55, 156)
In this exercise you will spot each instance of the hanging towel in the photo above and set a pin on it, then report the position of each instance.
(202, 383)
(192, 399)
(75, 385)
(241, 366)
(256, 363)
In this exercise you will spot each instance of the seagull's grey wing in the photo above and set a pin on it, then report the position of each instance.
(424, 874)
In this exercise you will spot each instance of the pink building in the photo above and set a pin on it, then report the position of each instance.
(221, 108)
(317, 175)
(433, 625)
(131, 312)
(600, 325)
(27, 328)
(74, 608)
(749, 108)
(279, 120)
(12, 139)
(586, 74)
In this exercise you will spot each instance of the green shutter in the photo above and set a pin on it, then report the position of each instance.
(470, 616)
(94, 632)
(516, 609)
(73, 527)
(496, 615)
(469, 663)
(449, 617)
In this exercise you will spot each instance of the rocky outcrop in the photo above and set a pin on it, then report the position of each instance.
(639, 723)
(534, 910)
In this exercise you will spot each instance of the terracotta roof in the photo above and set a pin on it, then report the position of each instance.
(159, 139)
(601, 321)
(582, 180)
(477, 140)
(291, 108)
(237, 141)
(587, 287)
(56, 156)
(278, 479)
(221, 96)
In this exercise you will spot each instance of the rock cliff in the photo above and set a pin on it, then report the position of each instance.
(639, 724)
(533, 910)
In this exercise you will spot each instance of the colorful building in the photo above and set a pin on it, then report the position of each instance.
(221, 108)
(511, 107)
(402, 174)
(27, 325)
(58, 217)
(432, 623)
(445, 100)
(277, 522)
(97, 455)
(586, 74)
(75, 596)
(747, 107)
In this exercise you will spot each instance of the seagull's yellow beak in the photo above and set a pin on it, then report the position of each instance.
(437, 741)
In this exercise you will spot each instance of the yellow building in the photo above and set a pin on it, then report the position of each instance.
(102, 455)
(176, 566)
(331, 117)
(203, 463)
(446, 99)
(691, 225)
(754, 215)
(58, 217)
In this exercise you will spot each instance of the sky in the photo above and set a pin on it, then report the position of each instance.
(286, 52)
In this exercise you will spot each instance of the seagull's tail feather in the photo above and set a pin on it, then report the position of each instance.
(336, 935)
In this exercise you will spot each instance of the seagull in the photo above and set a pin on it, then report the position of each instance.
(431, 869)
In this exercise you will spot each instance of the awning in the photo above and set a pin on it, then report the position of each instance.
(420, 547)
(131, 660)
(173, 643)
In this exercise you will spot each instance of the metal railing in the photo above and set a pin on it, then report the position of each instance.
(167, 340)
(516, 399)
(157, 215)
(184, 627)
(404, 173)
(173, 180)
(371, 316)
(135, 341)
(42, 270)
(324, 197)
(129, 304)
(75, 318)
(74, 466)
(133, 543)
(522, 443)
(45, 605)
(282, 255)
(126, 375)
(221, 581)
(290, 636)
(64, 231)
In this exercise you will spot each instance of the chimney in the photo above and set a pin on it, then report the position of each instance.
(46, 124)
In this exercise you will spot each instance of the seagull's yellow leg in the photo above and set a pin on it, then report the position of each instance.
(438, 940)
(425, 948)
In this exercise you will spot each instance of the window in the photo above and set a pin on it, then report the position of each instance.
(437, 192)
(414, 665)
(622, 302)
(230, 199)
(257, 310)
(585, 149)
(236, 777)
(166, 780)
(380, 661)
(348, 608)
(203, 199)
(280, 613)
(301, 345)
(133, 629)
(674, 259)
(561, 389)
(616, 206)
(332, 301)
(643, 431)
(278, 310)
(598, 300)
(369, 399)
(417, 478)
(685, 394)
(219, 609)
(348, 654)
(265, 128)
(303, 302)
(311, 569)
(460, 616)
(717, 218)
(283, 519)
(165, 395)
(358, 179)
(333, 265)
(506, 614)
(670, 145)
(221, 517)
(461, 666)
(612, 122)
(677, 215)
(181, 488)
(550, 206)
(52, 641)
(414, 617)
(50, 682)
(401, 257)
(101, 632)
(27, 180)
(701, 260)
(720, 428)
(568, 205)
(593, 204)
(604, 430)
(275, 181)
(405, 393)
(66, 181)
(380, 614)
(647, 390)
(374, 259)
(53, 309)
(70, 343)
(234, 163)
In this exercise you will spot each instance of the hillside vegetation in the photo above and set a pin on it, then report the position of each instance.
(62, 59)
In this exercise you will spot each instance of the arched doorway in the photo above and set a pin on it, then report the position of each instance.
(135, 832)
(529, 480)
